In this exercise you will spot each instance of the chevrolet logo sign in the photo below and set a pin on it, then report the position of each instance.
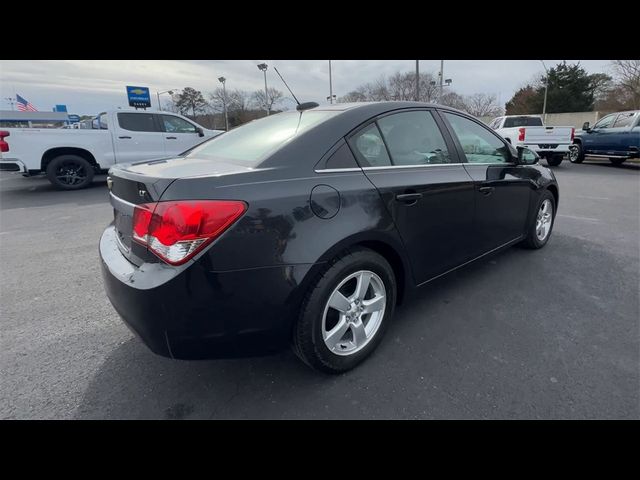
(137, 91)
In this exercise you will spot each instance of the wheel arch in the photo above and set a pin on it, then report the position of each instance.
(556, 195)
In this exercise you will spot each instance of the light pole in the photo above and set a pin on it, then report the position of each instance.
(417, 80)
(263, 67)
(222, 80)
(331, 95)
(11, 101)
(170, 92)
(546, 87)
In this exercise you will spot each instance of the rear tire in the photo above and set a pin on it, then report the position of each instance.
(542, 222)
(322, 329)
(576, 153)
(554, 160)
(70, 172)
(617, 161)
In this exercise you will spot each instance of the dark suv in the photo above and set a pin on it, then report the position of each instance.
(615, 136)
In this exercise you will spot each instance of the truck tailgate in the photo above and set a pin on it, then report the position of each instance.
(547, 135)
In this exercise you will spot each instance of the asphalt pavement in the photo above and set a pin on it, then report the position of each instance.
(546, 334)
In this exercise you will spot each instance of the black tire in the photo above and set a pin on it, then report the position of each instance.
(532, 241)
(308, 342)
(70, 172)
(617, 161)
(554, 160)
(576, 153)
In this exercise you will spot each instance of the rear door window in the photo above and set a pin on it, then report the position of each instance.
(137, 122)
(624, 120)
(369, 147)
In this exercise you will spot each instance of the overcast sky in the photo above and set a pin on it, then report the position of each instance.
(91, 86)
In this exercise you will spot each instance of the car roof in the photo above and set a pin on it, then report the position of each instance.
(381, 106)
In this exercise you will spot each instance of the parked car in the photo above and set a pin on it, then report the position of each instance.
(71, 157)
(307, 227)
(551, 143)
(615, 136)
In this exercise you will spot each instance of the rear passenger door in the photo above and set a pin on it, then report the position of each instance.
(179, 134)
(430, 196)
(502, 188)
(137, 137)
(622, 136)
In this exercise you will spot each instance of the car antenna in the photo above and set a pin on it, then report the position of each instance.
(301, 106)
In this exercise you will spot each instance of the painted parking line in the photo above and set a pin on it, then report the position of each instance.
(587, 219)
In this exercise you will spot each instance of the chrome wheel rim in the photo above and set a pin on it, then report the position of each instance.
(543, 221)
(573, 153)
(353, 313)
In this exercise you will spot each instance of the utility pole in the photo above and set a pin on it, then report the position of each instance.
(222, 80)
(11, 101)
(417, 80)
(546, 87)
(263, 67)
(330, 85)
(441, 80)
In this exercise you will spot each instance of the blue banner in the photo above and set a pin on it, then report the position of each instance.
(138, 97)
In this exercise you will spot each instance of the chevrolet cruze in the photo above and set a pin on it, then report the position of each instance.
(307, 228)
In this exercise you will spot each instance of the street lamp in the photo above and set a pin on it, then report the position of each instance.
(331, 95)
(263, 67)
(222, 80)
(170, 92)
(546, 87)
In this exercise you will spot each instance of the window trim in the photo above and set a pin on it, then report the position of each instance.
(448, 140)
(459, 145)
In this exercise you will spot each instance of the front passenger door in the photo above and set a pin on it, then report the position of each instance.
(502, 188)
(180, 135)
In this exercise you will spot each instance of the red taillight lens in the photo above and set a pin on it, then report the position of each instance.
(521, 134)
(4, 146)
(176, 231)
(573, 133)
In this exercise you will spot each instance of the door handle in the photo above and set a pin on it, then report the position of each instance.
(486, 190)
(410, 198)
(172, 138)
(125, 137)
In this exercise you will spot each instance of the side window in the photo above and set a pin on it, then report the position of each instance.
(414, 138)
(606, 122)
(137, 122)
(369, 148)
(479, 144)
(624, 120)
(177, 125)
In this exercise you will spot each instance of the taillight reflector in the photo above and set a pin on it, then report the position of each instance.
(4, 146)
(175, 231)
(521, 134)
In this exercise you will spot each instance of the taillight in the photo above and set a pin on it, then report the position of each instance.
(4, 146)
(573, 133)
(177, 230)
(521, 134)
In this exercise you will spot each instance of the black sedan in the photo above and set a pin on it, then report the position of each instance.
(306, 228)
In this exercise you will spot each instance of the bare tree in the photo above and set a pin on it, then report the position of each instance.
(628, 77)
(218, 98)
(274, 97)
(482, 105)
(453, 100)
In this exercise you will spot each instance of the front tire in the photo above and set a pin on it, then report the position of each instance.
(542, 223)
(346, 312)
(617, 161)
(70, 172)
(554, 160)
(576, 153)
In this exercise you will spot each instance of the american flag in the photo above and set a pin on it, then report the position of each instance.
(24, 106)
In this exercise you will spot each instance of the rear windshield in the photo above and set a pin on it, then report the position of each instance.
(522, 122)
(253, 142)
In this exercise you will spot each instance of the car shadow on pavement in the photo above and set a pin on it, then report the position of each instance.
(505, 337)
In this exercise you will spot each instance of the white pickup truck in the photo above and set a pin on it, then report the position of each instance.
(552, 143)
(71, 157)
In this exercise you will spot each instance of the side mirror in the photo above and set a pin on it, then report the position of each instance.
(527, 156)
(200, 131)
(585, 126)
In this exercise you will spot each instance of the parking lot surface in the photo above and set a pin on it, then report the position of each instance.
(553, 333)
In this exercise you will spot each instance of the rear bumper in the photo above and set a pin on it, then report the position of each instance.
(560, 149)
(192, 312)
(12, 165)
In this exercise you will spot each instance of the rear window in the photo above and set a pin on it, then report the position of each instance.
(522, 122)
(137, 122)
(254, 141)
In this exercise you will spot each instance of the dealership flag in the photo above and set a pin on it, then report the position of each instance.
(24, 106)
